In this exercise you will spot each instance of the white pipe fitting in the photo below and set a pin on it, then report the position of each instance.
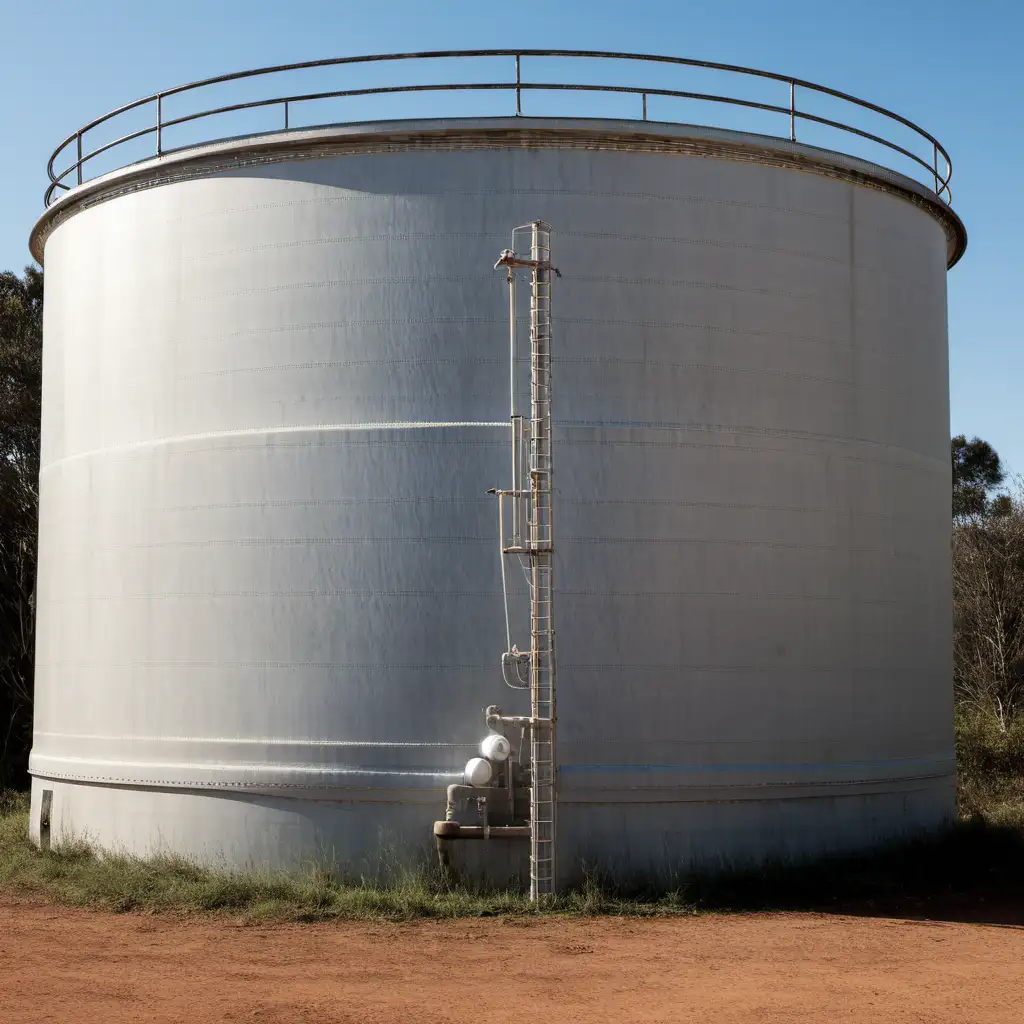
(478, 772)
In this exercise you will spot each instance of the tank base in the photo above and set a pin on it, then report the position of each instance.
(647, 843)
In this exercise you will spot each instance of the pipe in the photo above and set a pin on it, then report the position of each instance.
(459, 794)
(446, 832)
(522, 720)
(512, 350)
(450, 830)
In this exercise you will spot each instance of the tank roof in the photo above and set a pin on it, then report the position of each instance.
(464, 134)
(894, 135)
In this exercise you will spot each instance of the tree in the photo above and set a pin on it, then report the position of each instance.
(21, 339)
(988, 608)
(976, 472)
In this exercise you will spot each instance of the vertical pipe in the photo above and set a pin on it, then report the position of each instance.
(512, 342)
(512, 405)
(159, 124)
(79, 158)
(501, 561)
(514, 536)
(519, 95)
(792, 111)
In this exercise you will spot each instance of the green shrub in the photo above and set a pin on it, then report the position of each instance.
(990, 767)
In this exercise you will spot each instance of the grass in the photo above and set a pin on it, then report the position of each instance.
(990, 765)
(71, 874)
(976, 860)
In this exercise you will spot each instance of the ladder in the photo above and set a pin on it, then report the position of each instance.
(538, 550)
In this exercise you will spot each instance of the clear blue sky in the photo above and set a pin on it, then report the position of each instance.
(954, 67)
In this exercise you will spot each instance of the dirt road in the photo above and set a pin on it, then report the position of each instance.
(70, 966)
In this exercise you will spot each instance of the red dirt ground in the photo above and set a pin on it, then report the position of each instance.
(68, 966)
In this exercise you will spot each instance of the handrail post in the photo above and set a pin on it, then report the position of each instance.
(792, 111)
(935, 167)
(519, 92)
(79, 137)
(286, 115)
(159, 124)
(644, 95)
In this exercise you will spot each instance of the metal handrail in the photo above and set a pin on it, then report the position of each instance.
(939, 179)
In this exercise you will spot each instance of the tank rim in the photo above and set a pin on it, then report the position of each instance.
(467, 133)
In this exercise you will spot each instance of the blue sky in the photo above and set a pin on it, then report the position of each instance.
(953, 67)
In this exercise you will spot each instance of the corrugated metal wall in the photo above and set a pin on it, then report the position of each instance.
(275, 398)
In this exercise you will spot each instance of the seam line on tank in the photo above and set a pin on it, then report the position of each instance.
(298, 503)
(603, 236)
(312, 770)
(70, 551)
(744, 506)
(249, 332)
(742, 430)
(440, 236)
(465, 193)
(198, 340)
(762, 767)
(347, 364)
(486, 594)
(659, 364)
(257, 741)
(362, 666)
(485, 278)
(343, 769)
(128, 447)
(331, 502)
(282, 542)
(76, 514)
(218, 784)
(846, 347)
(301, 429)
(937, 465)
(334, 666)
(652, 365)
(258, 784)
(305, 741)
(563, 499)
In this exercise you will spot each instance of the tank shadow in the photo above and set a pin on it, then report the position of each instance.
(969, 873)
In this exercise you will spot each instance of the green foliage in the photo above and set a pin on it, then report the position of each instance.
(977, 470)
(990, 766)
(21, 352)
(13, 802)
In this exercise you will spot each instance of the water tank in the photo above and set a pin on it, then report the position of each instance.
(275, 396)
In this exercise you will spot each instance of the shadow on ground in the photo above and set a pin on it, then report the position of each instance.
(971, 873)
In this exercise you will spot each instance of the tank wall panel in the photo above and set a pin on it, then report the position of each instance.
(275, 397)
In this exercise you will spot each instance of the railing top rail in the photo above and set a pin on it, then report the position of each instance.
(941, 177)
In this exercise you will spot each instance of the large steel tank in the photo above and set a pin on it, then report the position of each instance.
(275, 396)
